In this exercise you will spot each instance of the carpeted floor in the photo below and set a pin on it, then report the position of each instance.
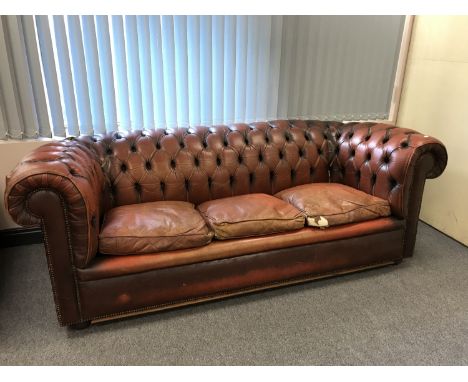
(413, 313)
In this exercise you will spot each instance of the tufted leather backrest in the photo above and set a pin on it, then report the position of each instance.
(203, 163)
(379, 159)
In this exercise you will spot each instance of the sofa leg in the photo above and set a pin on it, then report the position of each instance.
(399, 261)
(80, 325)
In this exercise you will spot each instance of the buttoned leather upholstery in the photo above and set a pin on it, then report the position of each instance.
(380, 159)
(71, 170)
(203, 163)
(68, 186)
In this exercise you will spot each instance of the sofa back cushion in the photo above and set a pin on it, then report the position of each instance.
(204, 163)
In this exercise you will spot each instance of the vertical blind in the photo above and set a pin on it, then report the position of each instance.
(92, 74)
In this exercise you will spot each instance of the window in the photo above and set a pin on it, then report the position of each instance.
(92, 74)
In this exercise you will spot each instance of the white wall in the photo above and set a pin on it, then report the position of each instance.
(435, 102)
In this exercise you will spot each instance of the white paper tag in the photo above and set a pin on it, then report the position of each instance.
(320, 222)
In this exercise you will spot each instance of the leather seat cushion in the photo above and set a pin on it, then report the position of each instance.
(329, 204)
(152, 227)
(250, 215)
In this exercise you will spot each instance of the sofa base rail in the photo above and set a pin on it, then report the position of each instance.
(158, 289)
(228, 294)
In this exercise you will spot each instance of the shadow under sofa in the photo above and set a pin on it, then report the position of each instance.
(67, 187)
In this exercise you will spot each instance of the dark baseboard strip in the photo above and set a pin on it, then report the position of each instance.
(20, 236)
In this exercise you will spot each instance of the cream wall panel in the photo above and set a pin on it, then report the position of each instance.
(434, 101)
(11, 153)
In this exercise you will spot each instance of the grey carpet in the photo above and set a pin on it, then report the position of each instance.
(413, 313)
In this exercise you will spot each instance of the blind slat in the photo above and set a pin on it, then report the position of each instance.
(145, 71)
(37, 81)
(120, 64)
(94, 73)
(67, 92)
(181, 69)
(229, 68)
(80, 75)
(241, 65)
(206, 88)
(167, 36)
(106, 72)
(133, 72)
(193, 53)
(251, 67)
(50, 75)
(12, 108)
(217, 65)
(26, 103)
(263, 68)
(275, 60)
(157, 71)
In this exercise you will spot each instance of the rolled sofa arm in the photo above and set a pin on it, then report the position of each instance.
(389, 162)
(60, 184)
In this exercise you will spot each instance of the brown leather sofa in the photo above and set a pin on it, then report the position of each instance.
(89, 193)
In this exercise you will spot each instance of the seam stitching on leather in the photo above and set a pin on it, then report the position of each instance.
(49, 255)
